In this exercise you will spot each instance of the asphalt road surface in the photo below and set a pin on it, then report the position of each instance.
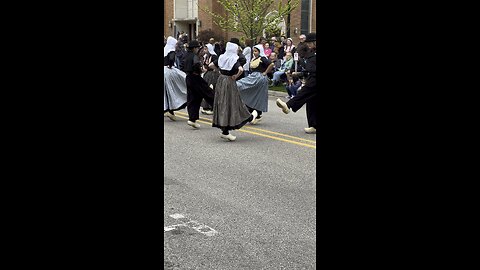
(246, 204)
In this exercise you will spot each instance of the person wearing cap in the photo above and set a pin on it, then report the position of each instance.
(174, 86)
(229, 111)
(308, 95)
(254, 87)
(210, 76)
(197, 87)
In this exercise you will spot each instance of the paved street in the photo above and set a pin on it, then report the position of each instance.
(247, 204)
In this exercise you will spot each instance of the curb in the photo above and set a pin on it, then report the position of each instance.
(276, 93)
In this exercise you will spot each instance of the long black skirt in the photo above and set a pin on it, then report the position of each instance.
(229, 111)
(211, 78)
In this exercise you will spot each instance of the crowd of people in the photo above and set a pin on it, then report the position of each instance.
(231, 82)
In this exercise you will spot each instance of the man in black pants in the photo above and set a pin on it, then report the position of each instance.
(308, 95)
(197, 88)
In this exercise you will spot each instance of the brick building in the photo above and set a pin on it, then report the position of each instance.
(184, 15)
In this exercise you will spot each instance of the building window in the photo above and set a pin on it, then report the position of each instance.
(305, 17)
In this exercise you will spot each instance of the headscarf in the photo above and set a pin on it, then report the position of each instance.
(260, 48)
(229, 58)
(210, 49)
(170, 47)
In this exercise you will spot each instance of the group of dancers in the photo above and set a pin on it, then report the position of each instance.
(219, 85)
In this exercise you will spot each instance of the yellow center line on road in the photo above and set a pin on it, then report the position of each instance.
(278, 139)
(203, 122)
(247, 130)
(280, 134)
(263, 130)
(185, 114)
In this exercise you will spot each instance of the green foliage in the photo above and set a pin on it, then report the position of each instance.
(250, 16)
(205, 35)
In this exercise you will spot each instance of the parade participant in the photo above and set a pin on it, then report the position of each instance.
(254, 88)
(174, 86)
(210, 76)
(197, 87)
(308, 95)
(179, 53)
(247, 53)
(229, 111)
(241, 58)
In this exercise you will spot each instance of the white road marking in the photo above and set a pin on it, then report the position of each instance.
(201, 228)
(171, 228)
(177, 216)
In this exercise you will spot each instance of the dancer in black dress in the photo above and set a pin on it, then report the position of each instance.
(174, 86)
(229, 111)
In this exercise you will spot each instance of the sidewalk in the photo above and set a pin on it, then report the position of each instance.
(276, 93)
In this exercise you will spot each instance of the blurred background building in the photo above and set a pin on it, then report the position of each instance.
(184, 15)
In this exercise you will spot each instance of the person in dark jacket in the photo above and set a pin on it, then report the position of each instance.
(197, 87)
(308, 95)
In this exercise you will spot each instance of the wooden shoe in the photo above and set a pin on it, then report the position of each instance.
(229, 137)
(207, 112)
(310, 130)
(171, 116)
(283, 106)
(193, 124)
(256, 120)
(255, 114)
